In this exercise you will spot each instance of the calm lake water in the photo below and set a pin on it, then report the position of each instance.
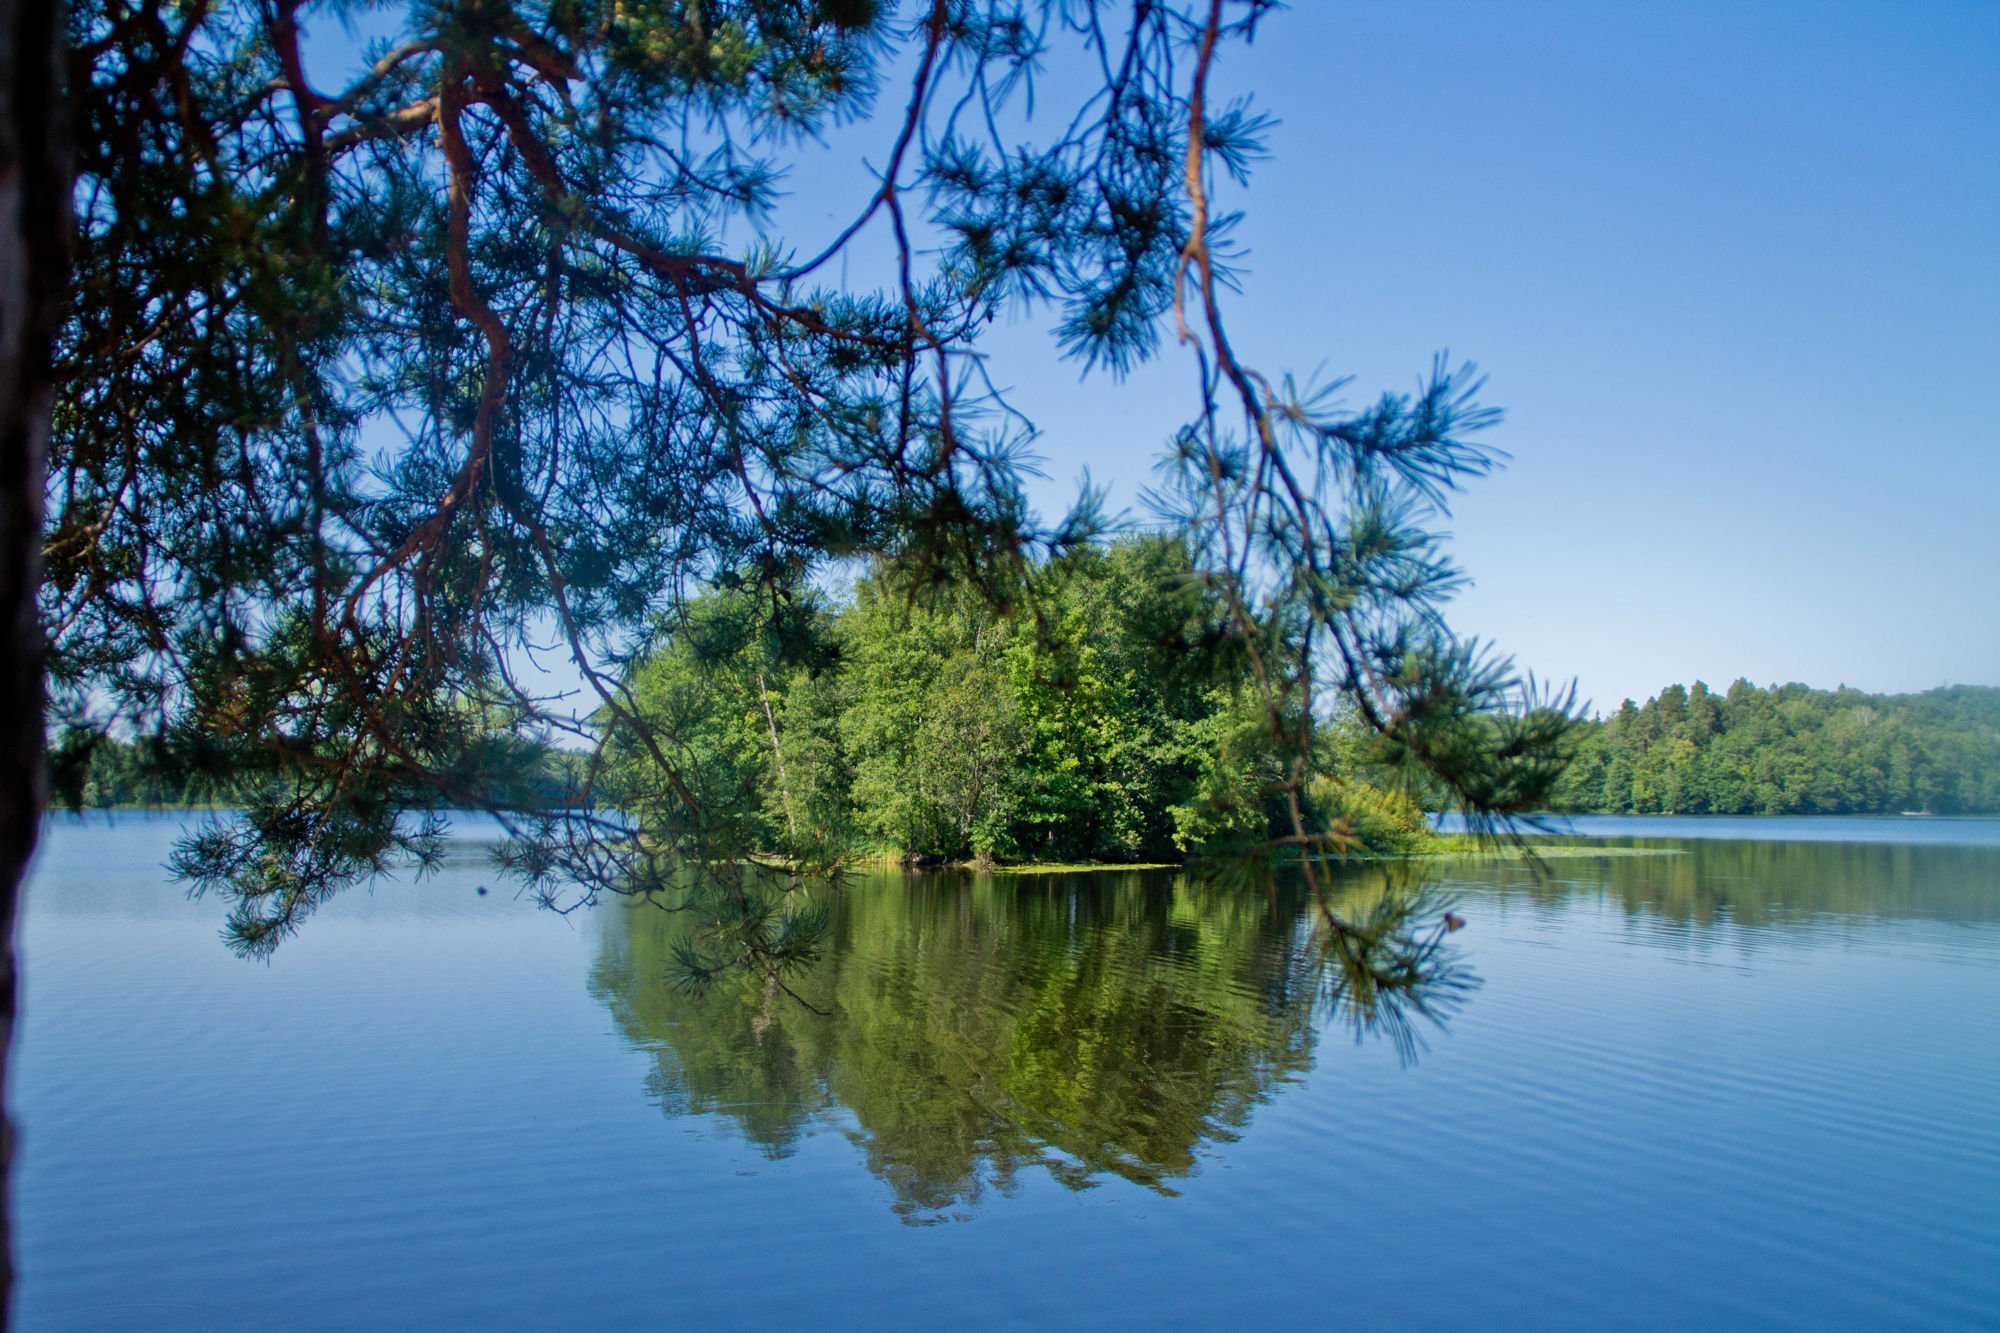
(1742, 1073)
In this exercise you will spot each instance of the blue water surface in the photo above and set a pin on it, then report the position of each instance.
(1737, 1074)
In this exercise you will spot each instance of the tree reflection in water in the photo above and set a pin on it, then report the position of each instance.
(1091, 1025)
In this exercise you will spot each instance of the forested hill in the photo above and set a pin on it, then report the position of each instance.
(1792, 750)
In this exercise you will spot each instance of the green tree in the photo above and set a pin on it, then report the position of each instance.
(1792, 750)
(386, 368)
(931, 723)
(1083, 720)
(714, 690)
(1104, 718)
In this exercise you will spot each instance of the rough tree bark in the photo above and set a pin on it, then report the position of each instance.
(34, 233)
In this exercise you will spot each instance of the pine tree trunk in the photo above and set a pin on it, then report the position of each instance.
(34, 236)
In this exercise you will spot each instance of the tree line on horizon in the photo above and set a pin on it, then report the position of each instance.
(1790, 750)
(1113, 720)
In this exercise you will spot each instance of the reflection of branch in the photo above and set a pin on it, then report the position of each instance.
(1390, 966)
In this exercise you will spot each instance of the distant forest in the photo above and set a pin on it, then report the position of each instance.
(1791, 750)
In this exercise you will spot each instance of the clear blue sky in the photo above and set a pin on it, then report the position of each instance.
(1733, 271)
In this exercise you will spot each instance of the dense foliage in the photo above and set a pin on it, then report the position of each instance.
(411, 341)
(1791, 750)
(1113, 716)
